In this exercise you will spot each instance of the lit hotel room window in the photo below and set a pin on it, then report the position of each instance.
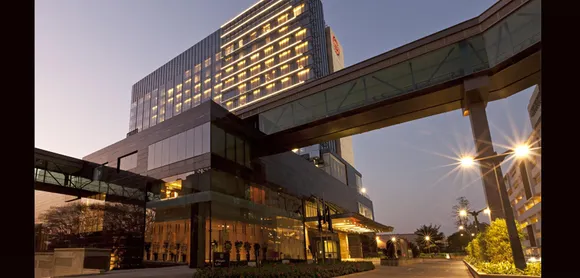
(282, 19)
(254, 70)
(301, 48)
(303, 75)
(197, 68)
(298, 10)
(266, 28)
(269, 62)
(300, 35)
(302, 62)
(242, 100)
(285, 82)
(268, 50)
(255, 82)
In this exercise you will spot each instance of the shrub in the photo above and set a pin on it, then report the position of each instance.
(533, 269)
(287, 270)
(497, 244)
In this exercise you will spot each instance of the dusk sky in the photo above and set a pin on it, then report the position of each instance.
(89, 53)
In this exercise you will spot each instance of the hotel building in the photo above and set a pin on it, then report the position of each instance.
(217, 189)
(524, 184)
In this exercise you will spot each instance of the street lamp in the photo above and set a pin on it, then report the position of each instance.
(427, 239)
(363, 190)
(461, 227)
(493, 162)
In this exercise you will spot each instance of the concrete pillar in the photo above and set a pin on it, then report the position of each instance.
(475, 97)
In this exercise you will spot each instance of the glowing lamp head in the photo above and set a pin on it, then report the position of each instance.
(427, 238)
(487, 211)
(467, 161)
(522, 151)
(463, 213)
(472, 234)
(461, 227)
(363, 190)
(394, 239)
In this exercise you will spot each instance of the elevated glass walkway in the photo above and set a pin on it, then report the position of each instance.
(477, 53)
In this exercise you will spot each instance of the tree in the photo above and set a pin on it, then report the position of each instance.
(435, 237)
(462, 204)
(458, 241)
(414, 249)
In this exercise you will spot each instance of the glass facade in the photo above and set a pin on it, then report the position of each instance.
(263, 52)
(184, 145)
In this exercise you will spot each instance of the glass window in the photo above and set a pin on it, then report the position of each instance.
(240, 151)
(241, 76)
(269, 62)
(187, 74)
(283, 43)
(158, 154)
(206, 95)
(207, 62)
(298, 10)
(302, 62)
(247, 156)
(218, 56)
(230, 147)
(242, 100)
(254, 70)
(284, 55)
(196, 100)
(255, 57)
(282, 18)
(140, 114)
(181, 146)
(283, 30)
(266, 28)
(165, 152)
(198, 141)
(254, 35)
(150, 156)
(206, 138)
(173, 149)
(270, 88)
(241, 88)
(179, 87)
(284, 69)
(300, 35)
(197, 68)
(169, 108)
(285, 82)
(268, 50)
(255, 82)
(190, 144)
(303, 75)
(133, 116)
(128, 162)
(301, 48)
(218, 138)
(196, 78)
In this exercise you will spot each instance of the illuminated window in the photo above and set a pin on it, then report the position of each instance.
(170, 93)
(187, 81)
(300, 35)
(269, 62)
(284, 55)
(228, 60)
(267, 39)
(285, 82)
(187, 74)
(241, 76)
(270, 88)
(302, 62)
(207, 93)
(206, 74)
(283, 43)
(218, 78)
(206, 82)
(266, 28)
(255, 57)
(197, 68)
(229, 82)
(229, 49)
(270, 75)
(197, 88)
(241, 64)
(229, 70)
(217, 99)
(282, 19)
(178, 108)
(284, 69)
(255, 82)
(242, 88)
(254, 70)
(196, 78)
(217, 89)
(178, 98)
(256, 93)
(230, 104)
(196, 100)
(268, 50)
(242, 100)
(298, 10)
(179, 87)
(253, 36)
(218, 56)
(301, 48)
(303, 75)
(283, 30)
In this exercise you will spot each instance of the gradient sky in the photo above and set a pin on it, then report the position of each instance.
(90, 52)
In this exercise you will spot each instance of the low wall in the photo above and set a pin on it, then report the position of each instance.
(71, 261)
(477, 274)
(403, 262)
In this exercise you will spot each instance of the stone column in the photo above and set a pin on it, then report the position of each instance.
(475, 95)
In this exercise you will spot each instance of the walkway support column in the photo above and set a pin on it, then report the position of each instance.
(475, 96)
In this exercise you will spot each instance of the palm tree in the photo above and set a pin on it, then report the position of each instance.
(429, 236)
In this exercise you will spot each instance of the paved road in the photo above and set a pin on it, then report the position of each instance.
(431, 268)
(162, 272)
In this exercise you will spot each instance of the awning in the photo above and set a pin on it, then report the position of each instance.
(351, 223)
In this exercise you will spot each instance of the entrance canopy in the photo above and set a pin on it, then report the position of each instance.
(351, 223)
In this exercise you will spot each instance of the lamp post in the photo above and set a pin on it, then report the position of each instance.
(427, 239)
(464, 213)
(494, 162)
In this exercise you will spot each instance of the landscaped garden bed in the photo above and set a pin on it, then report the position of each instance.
(287, 270)
(490, 253)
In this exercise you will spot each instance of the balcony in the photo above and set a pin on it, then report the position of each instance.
(533, 210)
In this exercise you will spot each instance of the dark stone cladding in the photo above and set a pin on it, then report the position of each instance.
(140, 142)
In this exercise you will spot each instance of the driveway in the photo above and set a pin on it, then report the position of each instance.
(430, 268)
